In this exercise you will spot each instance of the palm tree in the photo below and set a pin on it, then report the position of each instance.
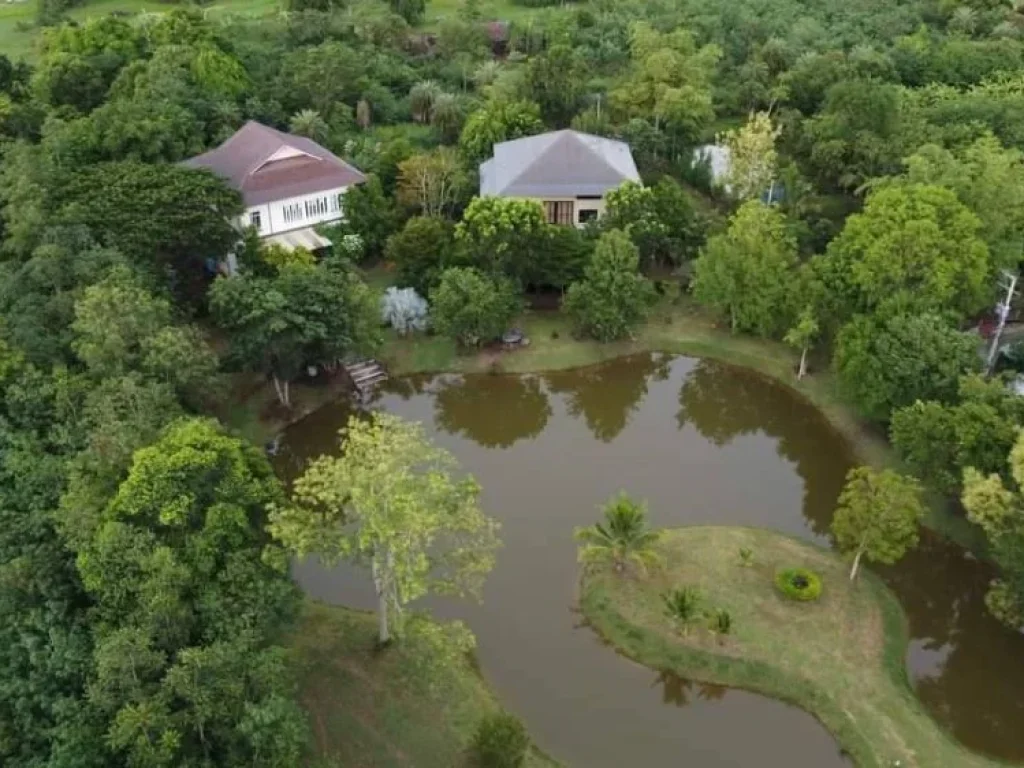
(682, 606)
(310, 124)
(421, 100)
(720, 623)
(622, 538)
(447, 116)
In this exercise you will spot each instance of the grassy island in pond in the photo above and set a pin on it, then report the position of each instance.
(839, 657)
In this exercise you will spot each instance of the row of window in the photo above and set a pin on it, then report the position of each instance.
(295, 212)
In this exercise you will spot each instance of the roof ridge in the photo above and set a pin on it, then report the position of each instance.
(536, 158)
(567, 135)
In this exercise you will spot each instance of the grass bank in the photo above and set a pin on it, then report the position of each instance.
(408, 705)
(840, 658)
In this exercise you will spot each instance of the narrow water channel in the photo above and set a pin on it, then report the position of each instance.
(703, 443)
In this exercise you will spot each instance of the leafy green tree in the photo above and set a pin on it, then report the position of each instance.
(410, 10)
(301, 316)
(915, 248)
(877, 516)
(668, 80)
(752, 157)
(938, 440)
(370, 214)
(749, 272)
(120, 327)
(660, 220)
(555, 80)
(179, 575)
(613, 297)
(471, 307)
(501, 741)
(391, 500)
(886, 364)
(801, 336)
(622, 539)
(497, 121)
(164, 217)
(421, 251)
(683, 606)
(999, 510)
(500, 234)
(989, 180)
(432, 182)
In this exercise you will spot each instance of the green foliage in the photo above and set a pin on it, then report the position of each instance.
(999, 510)
(799, 584)
(749, 272)
(877, 516)
(278, 257)
(300, 316)
(166, 218)
(752, 157)
(622, 539)
(497, 121)
(915, 248)
(421, 251)
(471, 307)
(500, 234)
(939, 440)
(613, 297)
(390, 501)
(683, 606)
(555, 81)
(660, 220)
(370, 214)
(886, 364)
(746, 557)
(433, 182)
(720, 622)
(500, 741)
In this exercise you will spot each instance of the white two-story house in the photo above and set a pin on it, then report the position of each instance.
(289, 184)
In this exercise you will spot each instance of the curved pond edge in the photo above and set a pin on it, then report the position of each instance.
(686, 332)
(650, 647)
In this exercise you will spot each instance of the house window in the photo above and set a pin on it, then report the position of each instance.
(558, 211)
(254, 220)
(292, 213)
(586, 215)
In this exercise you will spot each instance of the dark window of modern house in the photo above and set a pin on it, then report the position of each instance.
(558, 211)
(587, 214)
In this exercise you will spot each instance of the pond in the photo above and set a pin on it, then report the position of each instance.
(702, 442)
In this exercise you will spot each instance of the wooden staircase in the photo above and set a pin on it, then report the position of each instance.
(365, 375)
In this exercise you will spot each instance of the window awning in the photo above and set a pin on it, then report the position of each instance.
(299, 238)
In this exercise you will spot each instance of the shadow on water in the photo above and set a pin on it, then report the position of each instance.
(703, 443)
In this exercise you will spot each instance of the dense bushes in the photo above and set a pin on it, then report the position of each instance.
(500, 742)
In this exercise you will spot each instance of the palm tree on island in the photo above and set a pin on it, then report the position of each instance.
(622, 538)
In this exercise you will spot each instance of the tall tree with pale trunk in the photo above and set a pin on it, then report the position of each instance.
(877, 516)
(801, 336)
(392, 501)
(752, 157)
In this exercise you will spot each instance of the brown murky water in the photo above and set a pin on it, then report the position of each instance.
(703, 443)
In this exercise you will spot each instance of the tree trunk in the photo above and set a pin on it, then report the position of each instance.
(287, 393)
(379, 584)
(803, 365)
(856, 564)
(283, 395)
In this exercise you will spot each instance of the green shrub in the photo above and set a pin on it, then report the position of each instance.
(798, 584)
(500, 742)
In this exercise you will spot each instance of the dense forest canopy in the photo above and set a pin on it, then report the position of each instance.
(142, 600)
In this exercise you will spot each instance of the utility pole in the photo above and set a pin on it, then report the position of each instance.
(1003, 311)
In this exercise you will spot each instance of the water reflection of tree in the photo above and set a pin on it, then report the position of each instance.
(678, 690)
(493, 411)
(722, 403)
(975, 688)
(607, 394)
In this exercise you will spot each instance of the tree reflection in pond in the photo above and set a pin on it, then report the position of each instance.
(723, 403)
(493, 411)
(678, 690)
(607, 394)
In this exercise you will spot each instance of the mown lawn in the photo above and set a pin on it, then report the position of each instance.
(399, 707)
(840, 658)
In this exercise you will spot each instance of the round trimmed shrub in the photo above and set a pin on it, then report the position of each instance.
(501, 741)
(799, 584)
